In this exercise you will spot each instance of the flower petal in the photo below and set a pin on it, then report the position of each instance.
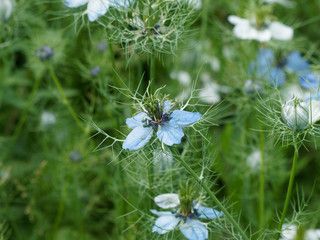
(120, 3)
(97, 8)
(137, 138)
(246, 31)
(167, 106)
(208, 213)
(167, 200)
(169, 134)
(165, 224)
(164, 213)
(137, 120)
(194, 230)
(280, 31)
(75, 3)
(310, 81)
(277, 77)
(296, 63)
(184, 118)
(237, 20)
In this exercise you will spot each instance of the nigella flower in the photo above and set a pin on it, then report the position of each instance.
(266, 66)
(188, 222)
(310, 81)
(291, 232)
(251, 30)
(299, 115)
(158, 117)
(96, 8)
(6, 8)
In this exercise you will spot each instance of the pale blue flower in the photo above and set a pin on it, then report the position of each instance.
(266, 66)
(189, 226)
(168, 127)
(97, 8)
(310, 81)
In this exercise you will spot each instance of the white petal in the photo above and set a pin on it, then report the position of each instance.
(137, 138)
(194, 230)
(237, 20)
(280, 31)
(312, 234)
(314, 111)
(165, 213)
(75, 3)
(97, 8)
(137, 120)
(210, 93)
(165, 223)
(167, 200)
(246, 31)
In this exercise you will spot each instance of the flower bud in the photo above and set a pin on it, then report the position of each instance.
(6, 8)
(44, 53)
(295, 114)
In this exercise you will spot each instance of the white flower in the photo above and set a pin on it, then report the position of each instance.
(182, 76)
(246, 29)
(295, 114)
(47, 119)
(6, 8)
(213, 62)
(96, 8)
(254, 160)
(210, 92)
(289, 232)
(299, 115)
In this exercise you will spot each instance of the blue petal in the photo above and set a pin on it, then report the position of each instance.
(265, 57)
(184, 118)
(277, 77)
(208, 213)
(170, 135)
(194, 230)
(137, 120)
(297, 63)
(97, 8)
(260, 67)
(165, 224)
(310, 81)
(167, 106)
(75, 3)
(137, 138)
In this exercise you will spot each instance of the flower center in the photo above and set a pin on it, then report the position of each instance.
(155, 122)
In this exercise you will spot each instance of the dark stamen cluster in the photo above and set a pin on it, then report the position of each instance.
(154, 123)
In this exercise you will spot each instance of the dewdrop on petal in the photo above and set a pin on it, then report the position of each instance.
(295, 114)
(6, 8)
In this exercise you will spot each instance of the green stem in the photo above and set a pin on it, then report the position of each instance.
(289, 191)
(214, 198)
(60, 209)
(150, 177)
(113, 64)
(65, 100)
(22, 118)
(152, 71)
(204, 21)
(262, 179)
